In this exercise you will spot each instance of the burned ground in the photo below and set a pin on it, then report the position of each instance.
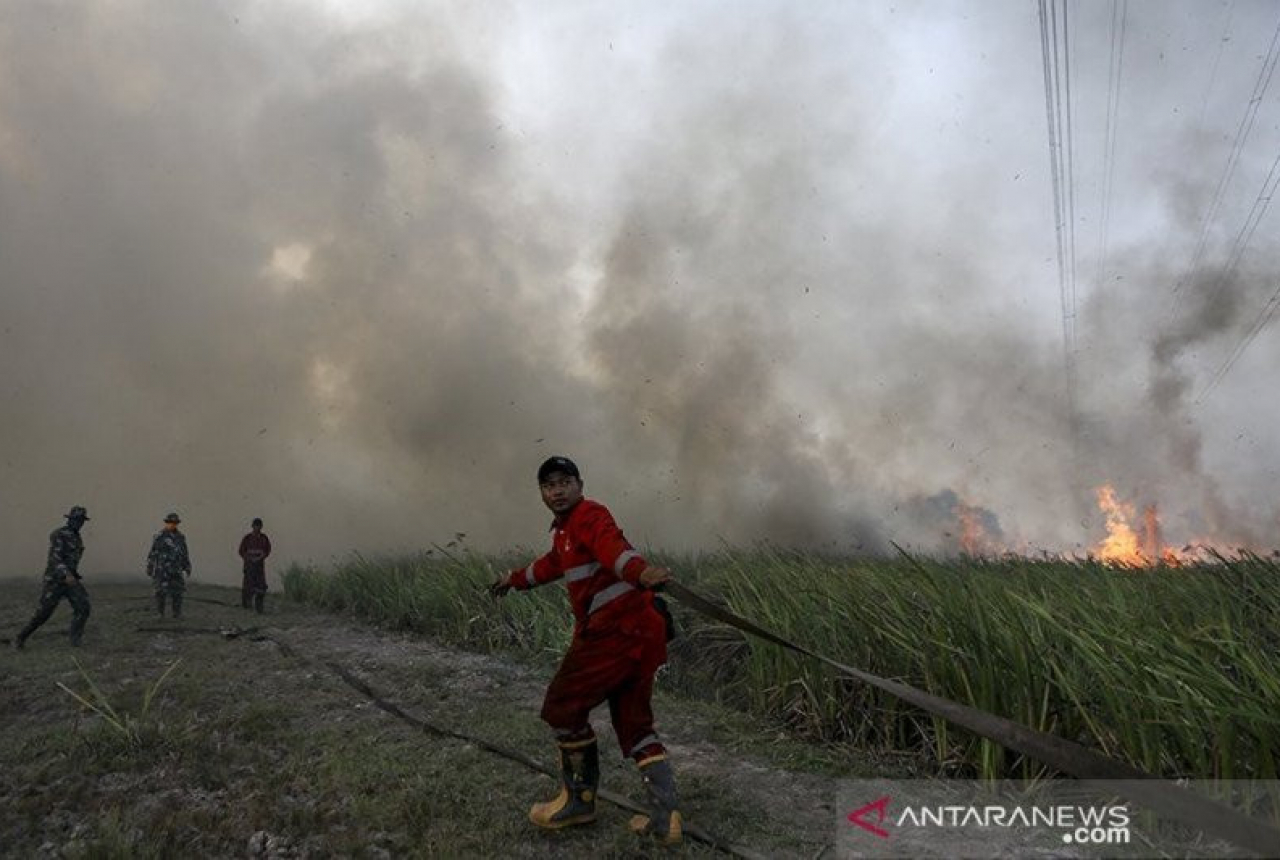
(245, 750)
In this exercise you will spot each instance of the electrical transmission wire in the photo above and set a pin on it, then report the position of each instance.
(1265, 316)
(1120, 12)
(1064, 105)
(1213, 73)
(1247, 230)
(1054, 50)
(1268, 311)
(1233, 159)
(1250, 226)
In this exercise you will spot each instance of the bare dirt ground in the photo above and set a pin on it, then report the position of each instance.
(244, 750)
(206, 738)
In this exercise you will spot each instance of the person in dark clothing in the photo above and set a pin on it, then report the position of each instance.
(62, 579)
(254, 549)
(169, 564)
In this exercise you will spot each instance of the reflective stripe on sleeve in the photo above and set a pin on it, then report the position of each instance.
(528, 576)
(600, 598)
(621, 561)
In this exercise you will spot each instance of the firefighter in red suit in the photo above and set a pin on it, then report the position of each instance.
(619, 641)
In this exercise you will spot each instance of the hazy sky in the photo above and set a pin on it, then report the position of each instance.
(766, 270)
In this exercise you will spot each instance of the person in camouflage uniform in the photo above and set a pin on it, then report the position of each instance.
(62, 579)
(168, 565)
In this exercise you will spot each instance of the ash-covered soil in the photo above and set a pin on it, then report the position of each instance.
(244, 750)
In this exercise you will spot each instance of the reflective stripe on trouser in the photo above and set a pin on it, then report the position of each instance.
(663, 820)
(613, 667)
(649, 740)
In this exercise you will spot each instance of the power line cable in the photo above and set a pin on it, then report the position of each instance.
(1268, 311)
(1233, 159)
(1069, 148)
(1055, 68)
(1241, 243)
(1265, 316)
(1213, 72)
(1120, 12)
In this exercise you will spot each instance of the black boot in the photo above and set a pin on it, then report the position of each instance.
(176, 597)
(663, 821)
(160, 602)
(257, 602)
(580, 777)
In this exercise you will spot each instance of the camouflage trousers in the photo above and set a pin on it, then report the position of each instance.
(52, 594)
(171, 585)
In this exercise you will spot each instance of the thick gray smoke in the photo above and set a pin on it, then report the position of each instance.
(769, 274)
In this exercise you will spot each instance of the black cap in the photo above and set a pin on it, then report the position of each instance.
(558, 464)
(257, 521)
(77, 513)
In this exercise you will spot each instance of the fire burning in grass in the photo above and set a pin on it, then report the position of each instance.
(1131, 542)
(974, 539)
(1120, 546)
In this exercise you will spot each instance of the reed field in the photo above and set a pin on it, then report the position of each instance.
(1173, 669)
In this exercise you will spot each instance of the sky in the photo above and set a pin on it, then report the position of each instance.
(767, 271)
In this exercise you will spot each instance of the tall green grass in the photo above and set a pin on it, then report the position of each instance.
(1176, 670)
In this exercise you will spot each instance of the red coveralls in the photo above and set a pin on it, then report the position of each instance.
(619, 638)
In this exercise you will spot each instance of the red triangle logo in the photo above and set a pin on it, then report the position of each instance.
(878, 807)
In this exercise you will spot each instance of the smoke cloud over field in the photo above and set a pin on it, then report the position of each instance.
(767, 273)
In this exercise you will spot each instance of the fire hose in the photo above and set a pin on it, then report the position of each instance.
(693, 831)
(1164, 797)
(1161, 796)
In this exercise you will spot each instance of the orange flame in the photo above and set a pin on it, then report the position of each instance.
(973, 537)
(1120, 546)
(1150, 533)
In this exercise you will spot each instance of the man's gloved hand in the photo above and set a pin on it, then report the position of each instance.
(653, 577)
(500, 587)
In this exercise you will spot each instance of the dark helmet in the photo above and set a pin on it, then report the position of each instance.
(172, 518)
(558, 464)
(257, 522)
(77, 513)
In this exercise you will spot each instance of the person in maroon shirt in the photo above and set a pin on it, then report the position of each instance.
(619, 641)
(254, 549)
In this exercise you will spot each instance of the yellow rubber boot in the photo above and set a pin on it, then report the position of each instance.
(663, 822)
(576, 802)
